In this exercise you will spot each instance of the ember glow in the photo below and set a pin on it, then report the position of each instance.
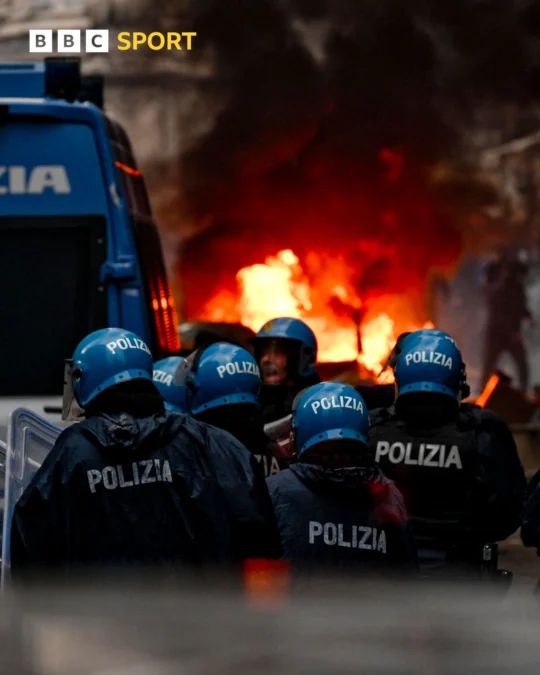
(320, 293)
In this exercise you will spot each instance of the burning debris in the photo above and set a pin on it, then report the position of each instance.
(337, 121)
(347, 329)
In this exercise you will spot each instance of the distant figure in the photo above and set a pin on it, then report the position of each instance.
(504, 285)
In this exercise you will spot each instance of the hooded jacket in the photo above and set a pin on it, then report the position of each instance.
(346, 518)
(161, 490)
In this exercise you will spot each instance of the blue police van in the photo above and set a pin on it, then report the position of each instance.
(78, 246)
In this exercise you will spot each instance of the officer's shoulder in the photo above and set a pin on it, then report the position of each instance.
(179, 423)
(69, 445)
(470, 415)
(280, 480)
(482, 416)
(381, 415)
(491, 426)
(281, 477)
(74, 434)
(218, 439)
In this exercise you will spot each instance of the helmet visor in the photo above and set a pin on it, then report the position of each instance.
(184, 370)
(71, 410)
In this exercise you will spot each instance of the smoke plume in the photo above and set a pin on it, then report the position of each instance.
(338, 120)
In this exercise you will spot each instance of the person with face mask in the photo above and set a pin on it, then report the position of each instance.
(134, 485)
(222, 383)
(335, 508)
(286, 351)
(456, 465)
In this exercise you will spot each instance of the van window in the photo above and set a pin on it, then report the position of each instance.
(50, 297)
(131, 177)
(150, 253)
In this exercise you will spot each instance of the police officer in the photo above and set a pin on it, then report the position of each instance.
(286, 351)
(334, 506)
(135, 485)
(456, 465)
(222, 382)
(174, 397)
(506, 295)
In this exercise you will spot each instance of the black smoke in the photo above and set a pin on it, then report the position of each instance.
(336, 115)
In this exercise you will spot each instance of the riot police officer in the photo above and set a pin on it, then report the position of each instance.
(456, 465)
(223, 382)
(174, 397)
(133, 484)
(334, 507)
(286, 351)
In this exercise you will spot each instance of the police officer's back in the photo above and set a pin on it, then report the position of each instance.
(222, 381)
(334, 507)
(456, 465)
(133, 485)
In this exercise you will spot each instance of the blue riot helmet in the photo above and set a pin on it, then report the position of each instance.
(174, 397)
(101, 360)
(220, 374)
(328, 411)
(430, 361)
(286, 350)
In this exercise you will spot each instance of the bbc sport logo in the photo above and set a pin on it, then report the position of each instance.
(97, 41)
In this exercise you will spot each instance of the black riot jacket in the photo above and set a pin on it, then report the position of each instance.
(377, 395)
(347, 518)
(121, 491)
(244, 422)
(463, 482)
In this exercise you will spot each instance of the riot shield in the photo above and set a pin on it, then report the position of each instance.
(278, 429)
(280, 432)
(30, 438)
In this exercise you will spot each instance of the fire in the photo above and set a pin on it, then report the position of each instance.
(347, 329)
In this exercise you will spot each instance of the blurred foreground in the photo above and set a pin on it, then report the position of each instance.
(331, 628)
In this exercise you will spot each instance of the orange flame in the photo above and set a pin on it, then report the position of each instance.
(490, 387)
(325, 300)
